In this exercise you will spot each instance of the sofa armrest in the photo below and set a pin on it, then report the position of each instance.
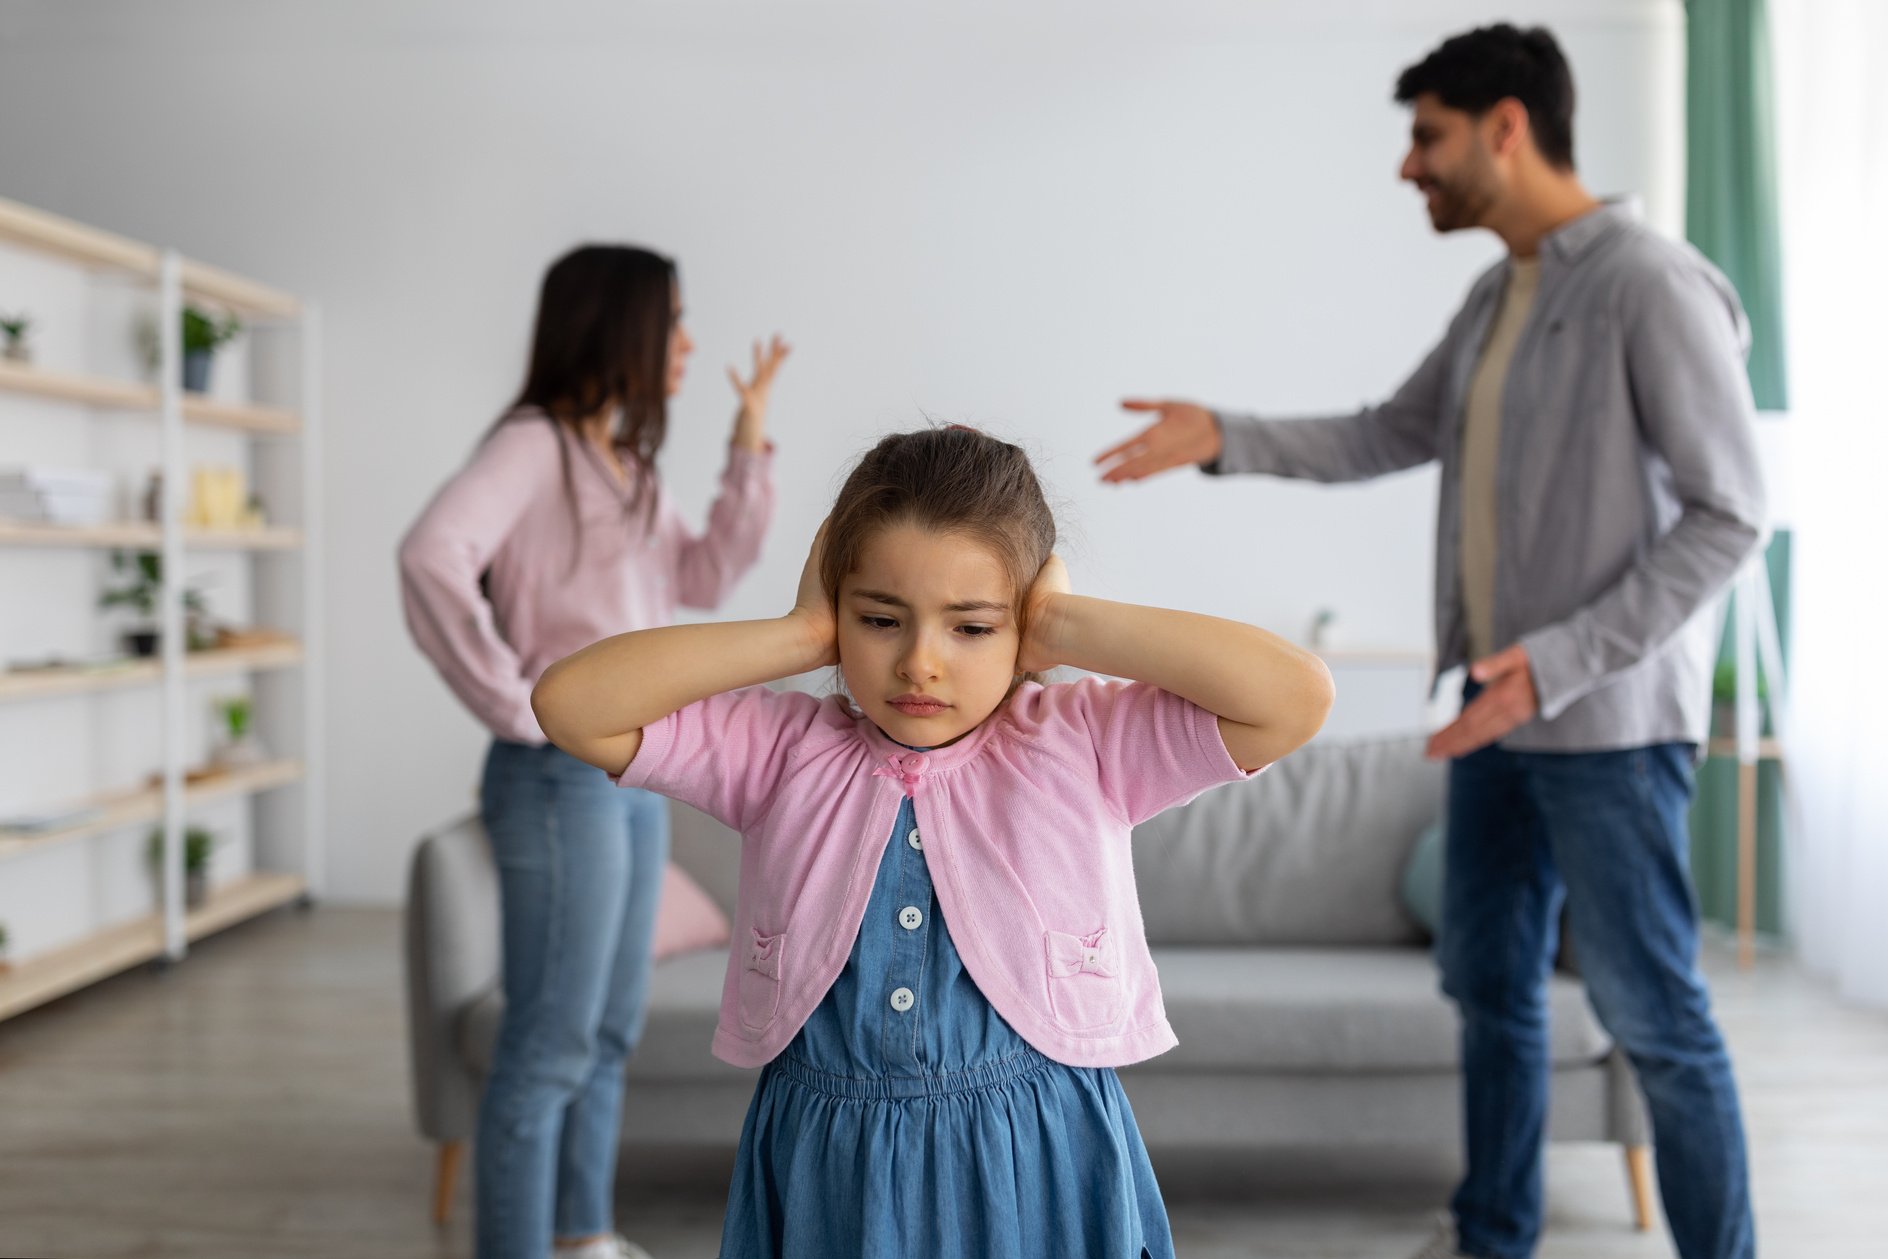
(453, 951)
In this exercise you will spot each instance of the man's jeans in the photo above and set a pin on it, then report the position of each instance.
(580, 863)
(1605, 833)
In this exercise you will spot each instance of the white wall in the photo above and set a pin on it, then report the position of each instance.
(1010, 219)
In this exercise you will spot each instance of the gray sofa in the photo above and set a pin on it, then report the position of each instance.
(1304, 995)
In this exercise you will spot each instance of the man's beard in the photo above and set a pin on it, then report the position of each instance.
(1461, 205)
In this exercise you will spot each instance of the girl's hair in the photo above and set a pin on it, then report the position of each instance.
(949, 480)
(601, 339)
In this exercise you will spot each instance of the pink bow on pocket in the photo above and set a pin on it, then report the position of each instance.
(1081, 955)
(763, 956)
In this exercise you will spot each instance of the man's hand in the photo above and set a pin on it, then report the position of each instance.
(1183, 433)
(1508, 701)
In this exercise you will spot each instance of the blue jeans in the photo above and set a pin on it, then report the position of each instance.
(580, 863)
(1605, 833)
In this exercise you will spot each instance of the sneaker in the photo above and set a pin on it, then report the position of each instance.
(1441, 1244)
(615, 1246)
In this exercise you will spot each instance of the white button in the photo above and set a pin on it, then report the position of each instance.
(1091, 957)
(909, 917)
(911, 837)
(902, 999)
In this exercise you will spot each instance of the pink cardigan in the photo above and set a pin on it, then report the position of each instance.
(1024, 823)
(509, 512)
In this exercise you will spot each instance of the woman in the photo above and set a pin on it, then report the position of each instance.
(558, 533)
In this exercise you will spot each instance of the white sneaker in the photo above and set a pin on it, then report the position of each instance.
(1441, 1244)
(615, 1246)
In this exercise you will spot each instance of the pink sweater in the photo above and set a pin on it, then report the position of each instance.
(1024, 823)
(509, 513)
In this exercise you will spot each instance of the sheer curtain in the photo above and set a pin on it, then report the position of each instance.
(1832, 115)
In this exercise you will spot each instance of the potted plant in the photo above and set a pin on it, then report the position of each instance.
(13, 330)
(1724, 701)
(240, 746)
(204, 333)
(198, 845)
(145, 583)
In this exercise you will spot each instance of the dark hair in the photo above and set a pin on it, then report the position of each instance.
(951, 480)
(601, 339)
(1475, 71)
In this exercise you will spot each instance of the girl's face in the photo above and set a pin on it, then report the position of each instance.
(928, 635)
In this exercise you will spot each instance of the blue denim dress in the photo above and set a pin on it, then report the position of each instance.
(907, 1118)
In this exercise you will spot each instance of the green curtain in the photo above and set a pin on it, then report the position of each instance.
(1731, 171)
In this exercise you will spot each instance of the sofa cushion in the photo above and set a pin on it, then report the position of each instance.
(686, 918)
(1322, 1010)
(1311, 852)
(1312, 1010)
(684, 1002)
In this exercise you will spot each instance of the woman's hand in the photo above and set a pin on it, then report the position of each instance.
(750, 422)
(814, 610)
(1042, 622)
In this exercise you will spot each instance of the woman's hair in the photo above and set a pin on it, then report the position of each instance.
(949, 480)
(601, 340)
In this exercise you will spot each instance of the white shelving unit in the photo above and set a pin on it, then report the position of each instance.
(116, 744)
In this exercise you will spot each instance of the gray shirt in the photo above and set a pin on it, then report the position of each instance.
(1627, 488)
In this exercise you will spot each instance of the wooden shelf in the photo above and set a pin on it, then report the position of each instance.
(242, 899)
(79, 679)
(126, 396)
(131, 673)
(35, 533)
(136, 535)
(110, 826)
(243, 296)
(90, 390)
(246, 416)
(132, 808)
(1767, 749)
(41, 979)
(49, 233)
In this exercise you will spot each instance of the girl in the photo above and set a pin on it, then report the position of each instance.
(938, 952)
(556, 533)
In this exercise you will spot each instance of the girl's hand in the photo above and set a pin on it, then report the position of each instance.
(814, 610)
(1042, 623)
(750, 422)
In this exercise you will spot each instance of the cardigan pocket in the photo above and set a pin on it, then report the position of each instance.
(760, 981)
(1085, 987)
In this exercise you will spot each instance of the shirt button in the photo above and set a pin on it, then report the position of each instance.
(902, 999)
(911, 837)
(909, 917)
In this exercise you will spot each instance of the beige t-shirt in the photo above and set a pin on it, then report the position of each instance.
(1481, 449)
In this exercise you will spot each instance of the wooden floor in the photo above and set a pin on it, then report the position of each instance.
(253, 1103)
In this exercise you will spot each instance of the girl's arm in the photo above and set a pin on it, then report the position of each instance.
(1270, 696)
(595, 703)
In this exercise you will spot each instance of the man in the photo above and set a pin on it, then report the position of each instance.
(1599, 489)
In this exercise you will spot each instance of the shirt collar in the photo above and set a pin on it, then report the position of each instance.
(1568, 241)
(882, 746)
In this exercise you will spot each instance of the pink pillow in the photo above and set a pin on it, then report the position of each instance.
(687, 918)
